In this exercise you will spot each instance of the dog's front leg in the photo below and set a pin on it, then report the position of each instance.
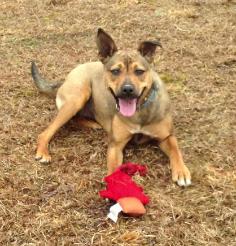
(163, 131)
(115, 155)
(118, 138)
(180, 172)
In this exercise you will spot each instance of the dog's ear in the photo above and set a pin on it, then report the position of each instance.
(148, 48)
(106, 45)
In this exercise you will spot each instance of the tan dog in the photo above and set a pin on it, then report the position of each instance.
(124, 95)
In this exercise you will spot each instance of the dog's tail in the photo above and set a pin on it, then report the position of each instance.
(49, 88)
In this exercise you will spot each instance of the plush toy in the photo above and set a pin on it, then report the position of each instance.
(122, 189)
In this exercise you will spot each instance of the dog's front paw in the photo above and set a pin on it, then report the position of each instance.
(181, 175)
(43, 156)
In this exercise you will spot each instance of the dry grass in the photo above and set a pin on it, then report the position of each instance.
(58, 204)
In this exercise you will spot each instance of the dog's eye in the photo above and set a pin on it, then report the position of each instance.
(116, 71)
(139, 72)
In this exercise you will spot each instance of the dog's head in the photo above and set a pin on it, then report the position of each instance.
(127, 73)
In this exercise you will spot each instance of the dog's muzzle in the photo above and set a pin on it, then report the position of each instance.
(126, 100)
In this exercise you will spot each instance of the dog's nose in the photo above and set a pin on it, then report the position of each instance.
(127, 90)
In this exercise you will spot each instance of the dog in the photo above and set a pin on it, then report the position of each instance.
(120, 93)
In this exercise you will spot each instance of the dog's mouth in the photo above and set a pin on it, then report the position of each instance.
(127, 106)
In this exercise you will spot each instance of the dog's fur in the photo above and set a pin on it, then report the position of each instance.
(96, 91)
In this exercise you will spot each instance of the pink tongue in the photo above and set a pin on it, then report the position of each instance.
(127, 106)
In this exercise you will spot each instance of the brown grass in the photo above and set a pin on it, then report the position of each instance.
(58, 204)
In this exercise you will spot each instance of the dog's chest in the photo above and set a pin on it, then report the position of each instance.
(139, 129)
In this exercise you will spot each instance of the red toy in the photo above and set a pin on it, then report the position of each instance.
(121, 188)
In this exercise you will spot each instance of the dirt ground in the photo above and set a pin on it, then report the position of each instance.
(58, 204)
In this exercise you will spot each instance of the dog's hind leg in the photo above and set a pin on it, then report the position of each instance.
(88, 123)
(69, 108)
